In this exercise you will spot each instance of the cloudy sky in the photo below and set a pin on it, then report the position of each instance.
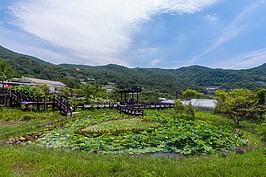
(138, 33)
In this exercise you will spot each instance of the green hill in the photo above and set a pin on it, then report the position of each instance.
(168, 81)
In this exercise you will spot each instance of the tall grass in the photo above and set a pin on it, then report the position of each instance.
(18, 115)
(23, 123)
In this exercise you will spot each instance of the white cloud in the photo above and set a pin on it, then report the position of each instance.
(228, 33)
(247, 60)
(96, 32)
(14, 40)
(212, 17)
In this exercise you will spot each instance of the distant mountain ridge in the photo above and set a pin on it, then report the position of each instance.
(168, 81)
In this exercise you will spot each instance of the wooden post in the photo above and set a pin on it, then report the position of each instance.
(60, 105)
(10, 99)
(53, 106)
(38, 105)
(44, 104)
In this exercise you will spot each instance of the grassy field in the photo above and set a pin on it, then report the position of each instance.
(30, 161)
(20, 160)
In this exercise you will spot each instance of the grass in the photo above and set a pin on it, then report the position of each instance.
(30, 161)
(18, 115)
(119, 125)
(34, 161)
(13, 123)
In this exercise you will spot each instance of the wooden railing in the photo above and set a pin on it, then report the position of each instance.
(63, 105)
(138, 109)
(16, 98)
(132, 111)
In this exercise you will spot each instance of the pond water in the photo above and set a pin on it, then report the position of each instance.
(207, 103)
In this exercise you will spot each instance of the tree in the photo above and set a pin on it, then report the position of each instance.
(239, 105)
(187, 109)
(190, 111)
(65, 92)
(94, 91)
(6, 72)
(79, 92)
(30, 91)
(189, 94)
(45, 88)
(261, 95)
(179, 107)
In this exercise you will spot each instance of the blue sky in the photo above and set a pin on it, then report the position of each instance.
(145, 33)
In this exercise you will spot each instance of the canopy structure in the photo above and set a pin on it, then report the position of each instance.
(132, 92)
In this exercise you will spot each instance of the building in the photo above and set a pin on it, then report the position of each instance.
(54, 85)
(109, 88)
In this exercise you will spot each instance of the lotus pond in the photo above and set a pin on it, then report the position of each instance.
(109, 132)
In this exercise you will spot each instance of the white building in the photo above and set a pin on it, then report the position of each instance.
(33, 81)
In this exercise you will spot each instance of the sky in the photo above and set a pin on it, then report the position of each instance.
(229, 34)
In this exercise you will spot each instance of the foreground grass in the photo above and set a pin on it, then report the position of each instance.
(29, 161)
(33, 161)
(16, 123)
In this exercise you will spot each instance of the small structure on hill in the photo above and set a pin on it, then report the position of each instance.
(127, 96)
(109, 87)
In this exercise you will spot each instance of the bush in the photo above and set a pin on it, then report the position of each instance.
(187, 110)
(239, 105)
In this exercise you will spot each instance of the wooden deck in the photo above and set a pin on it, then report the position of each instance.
(15, 99)
(132, 109)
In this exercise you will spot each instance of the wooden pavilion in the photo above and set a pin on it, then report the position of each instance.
(127, 95)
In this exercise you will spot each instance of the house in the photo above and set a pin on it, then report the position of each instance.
(109, 87)
(91, 80)
(34, 81)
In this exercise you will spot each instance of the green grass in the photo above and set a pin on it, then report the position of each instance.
(119, 125)
(36, 161)
(30, 161)
(16, 123)
(18, 115)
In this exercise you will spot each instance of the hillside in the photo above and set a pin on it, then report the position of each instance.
(168, 81)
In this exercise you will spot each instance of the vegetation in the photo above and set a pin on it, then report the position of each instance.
(15, 123)
(31, 161)
(184, 111)
(187, 110)
(161, 143)
(116, 126)
(241, 104)
(31, 91)
(156, 82)
(34, 161)
(173, 136)
(6, 72)
(189, 94)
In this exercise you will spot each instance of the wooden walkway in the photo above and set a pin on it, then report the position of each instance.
(15, 99)
(131, 109)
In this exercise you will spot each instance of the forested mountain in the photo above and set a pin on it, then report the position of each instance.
(168, 81)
